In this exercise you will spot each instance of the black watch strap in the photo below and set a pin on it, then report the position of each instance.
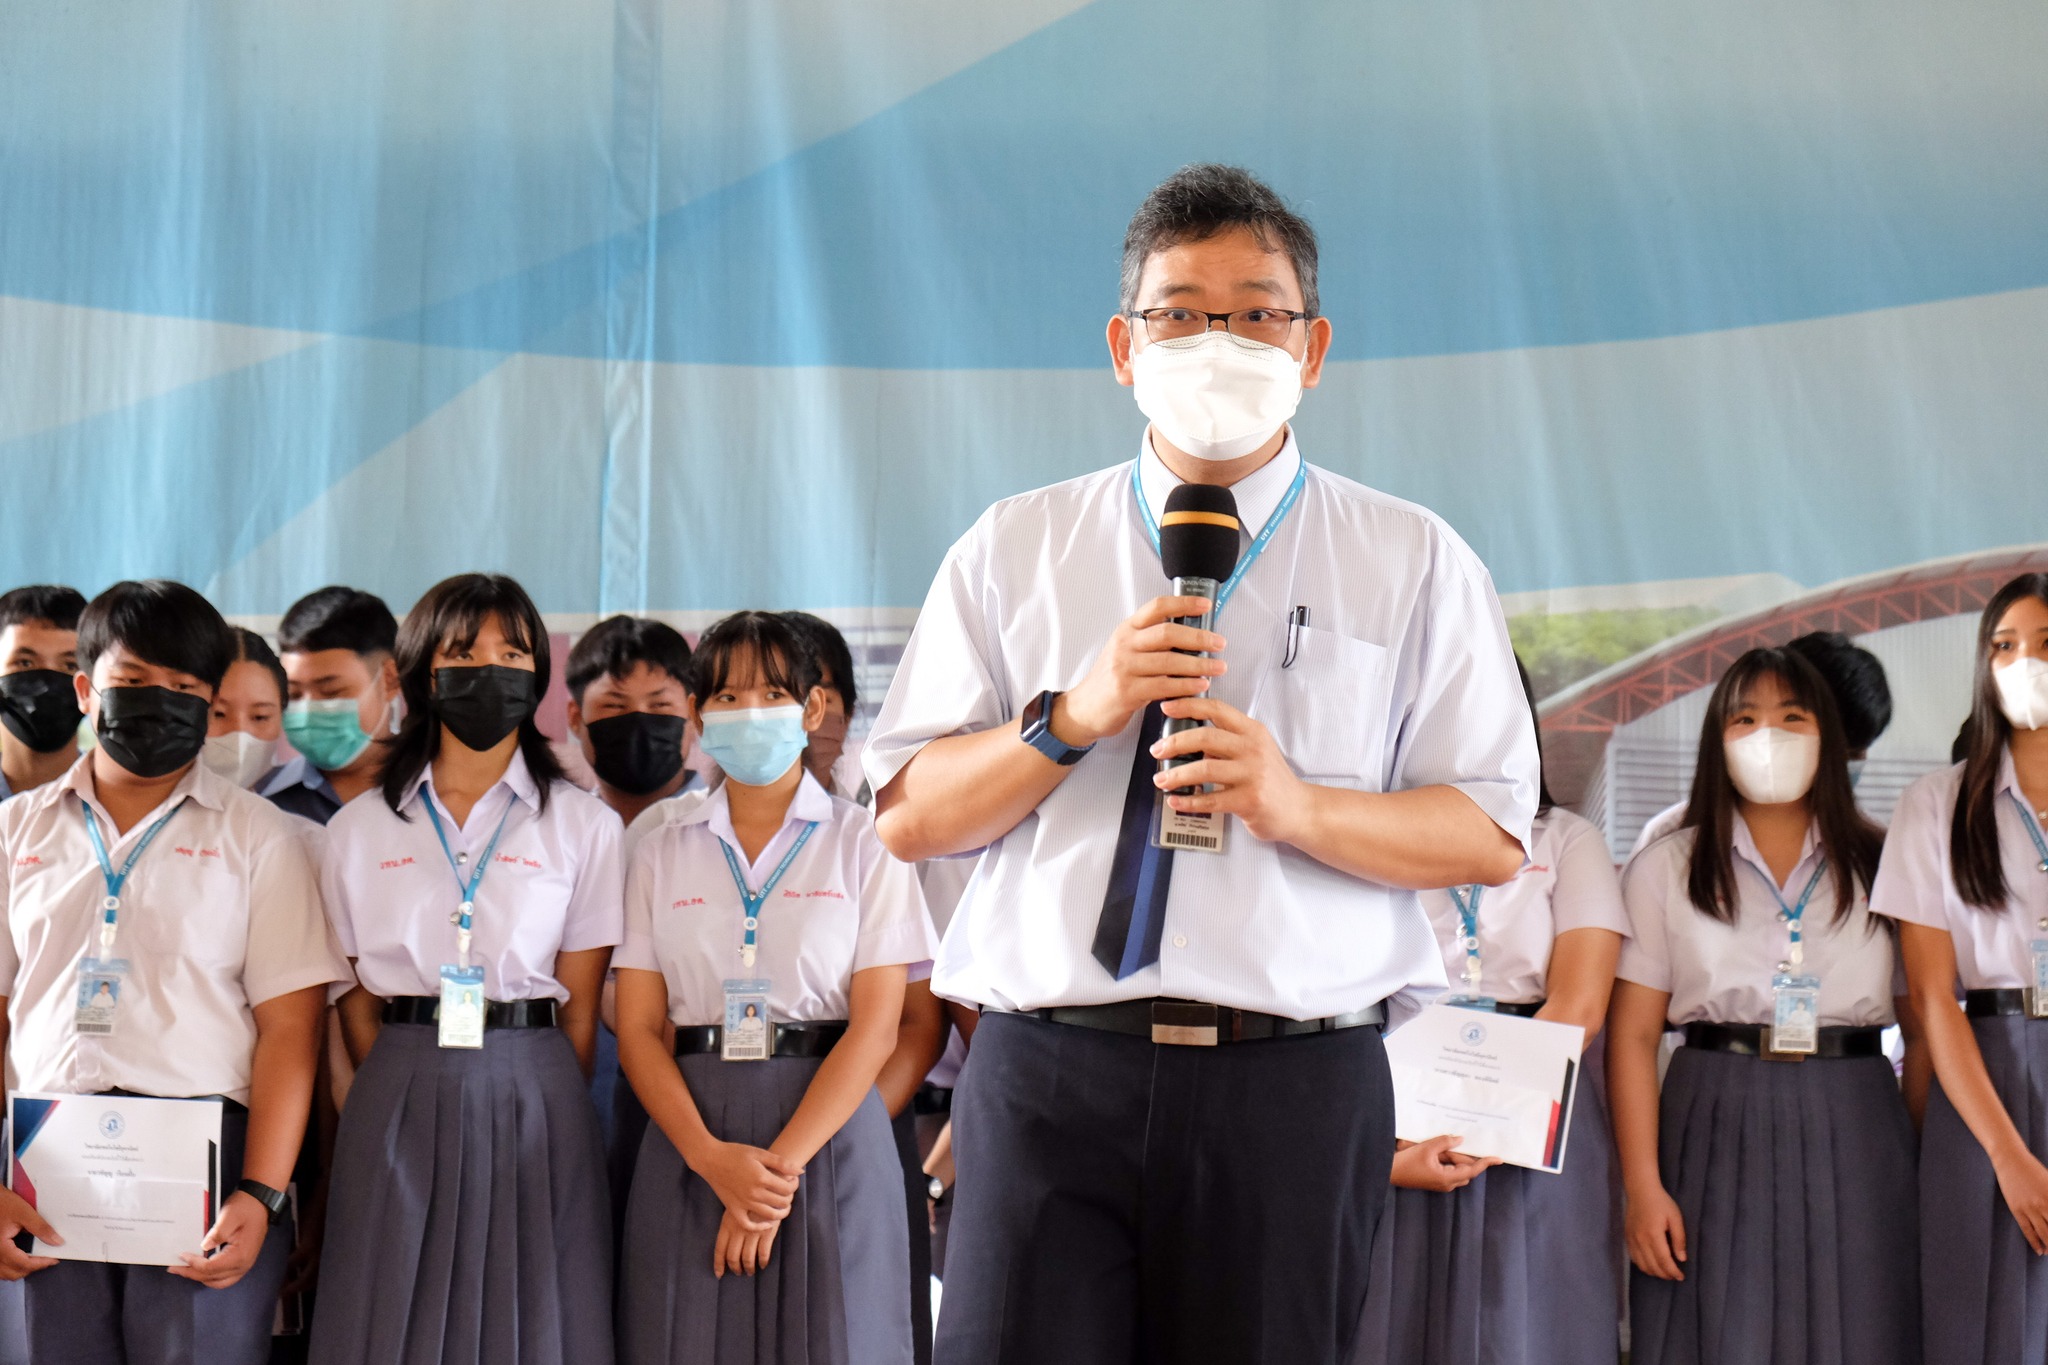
(273, 1200)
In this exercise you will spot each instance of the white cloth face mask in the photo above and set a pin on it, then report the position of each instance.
(2023, 692)
(240, 757)
(1772, 766)
(1216, 396)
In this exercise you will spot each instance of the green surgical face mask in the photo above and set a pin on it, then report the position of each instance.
(327, 732)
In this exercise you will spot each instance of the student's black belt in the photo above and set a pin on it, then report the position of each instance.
(1525, 1009)
(784, 1040)
(1188, 1023)
(932, 1099)
(1753, 1040)
(1992, 1002)
(426, 1009)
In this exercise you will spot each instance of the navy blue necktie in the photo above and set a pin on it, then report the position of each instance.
(1134, 908)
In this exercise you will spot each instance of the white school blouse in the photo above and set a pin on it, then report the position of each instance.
(221, 914)
(1721, 972)
(1916, 884)
(843, 906)
(1403, 678)
(1568, 883)
(554, 885)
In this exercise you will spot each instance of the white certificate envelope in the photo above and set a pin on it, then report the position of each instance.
(1502, 1082)
(122, 1178)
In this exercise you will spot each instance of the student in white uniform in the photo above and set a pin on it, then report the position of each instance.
(248, 712)
(1509, 1266)
(1771, 1213)
(766, 1221)
(1966, 876)
(479, 896)
(203, 902)
(344, 709)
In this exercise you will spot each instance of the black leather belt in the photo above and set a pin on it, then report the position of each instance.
(1991, 1002)
(932, 1099)
(1187, 1023)
(1752, 1040)
(786, 1040)
(426, 1009)
(1525, 1009)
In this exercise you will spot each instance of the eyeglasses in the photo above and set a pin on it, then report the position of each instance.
(1268, 326)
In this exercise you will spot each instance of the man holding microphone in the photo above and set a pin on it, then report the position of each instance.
(1175, 1126)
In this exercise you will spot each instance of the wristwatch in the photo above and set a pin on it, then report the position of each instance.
(1036, 728)
(273, 1200)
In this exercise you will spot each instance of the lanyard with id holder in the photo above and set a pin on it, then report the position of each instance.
(745, 1037)
(100, 977)
(461, 1017)
(1795, 996)
(1203, 831)
(2037, 994)
(1471, 998)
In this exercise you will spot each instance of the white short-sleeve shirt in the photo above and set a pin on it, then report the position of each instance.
(1722, 972)
(843, 905)
(221, 913)
(554, 885)
(1916, 882)
(1568, 883)
(1404, 678)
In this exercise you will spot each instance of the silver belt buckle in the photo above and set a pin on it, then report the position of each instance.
(2035, 1001)
(1183, 1025)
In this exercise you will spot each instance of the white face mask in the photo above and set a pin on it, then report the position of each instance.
(2023, 692)
(1216, 396)
(239, 756)
(1772, 766)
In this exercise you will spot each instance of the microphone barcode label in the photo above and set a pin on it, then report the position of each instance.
(1187, 832)
(1208, 843)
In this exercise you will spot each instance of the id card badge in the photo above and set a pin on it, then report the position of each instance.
(462, 1007)
(2037, 998)
(745, 1037)
(99, 993)
(1795, 1014)
(1187, 831)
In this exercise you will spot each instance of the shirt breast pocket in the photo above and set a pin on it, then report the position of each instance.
(196, 910)
(1328, 710)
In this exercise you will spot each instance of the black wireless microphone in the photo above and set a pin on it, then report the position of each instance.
(1198, 539)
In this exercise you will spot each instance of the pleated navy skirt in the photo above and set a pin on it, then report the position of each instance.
(1986, 1291)
(836, 1290)
(1798, 1187)
(1519, 1267)
(468, 1218)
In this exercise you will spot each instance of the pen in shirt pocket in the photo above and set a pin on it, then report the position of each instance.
(1297, 621)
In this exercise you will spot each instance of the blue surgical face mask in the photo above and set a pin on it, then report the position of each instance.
(756, 745)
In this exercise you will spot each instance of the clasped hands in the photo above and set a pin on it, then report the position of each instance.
(758, 1188)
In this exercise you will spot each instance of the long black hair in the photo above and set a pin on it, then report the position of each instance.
(1849, 840)
(1973, 828)
(451, 614)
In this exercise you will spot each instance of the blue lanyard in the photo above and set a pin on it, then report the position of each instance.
(1794, 914)
(1468, 921)
(1259, 543)
(110, 908)
(2033, 827)
(465, 914)
(754, 900)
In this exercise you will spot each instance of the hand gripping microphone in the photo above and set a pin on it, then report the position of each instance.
(1198, 539)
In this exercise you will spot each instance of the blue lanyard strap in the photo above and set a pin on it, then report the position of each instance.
(1468, 923)
(754, 900)
(2033, 827)
(1259, 543)
(110, 908)
(1794, 914)
(465, 914)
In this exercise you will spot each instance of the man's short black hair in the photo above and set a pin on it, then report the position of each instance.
(1197, 202)
(50, 604)
(161, 623)
(1856, 679)
(613, 646)
(830, 649)
(338, 618)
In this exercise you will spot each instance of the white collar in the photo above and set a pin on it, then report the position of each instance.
(517, 776)
(1258, 493)
(811, 802)
(1745, 847)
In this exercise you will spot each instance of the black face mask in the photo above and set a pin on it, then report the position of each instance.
(637, 753)
(39, 707)
(482, 703)
(152, 731)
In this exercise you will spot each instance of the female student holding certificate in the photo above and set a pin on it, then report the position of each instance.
(768, 926)
(1508, 1266)
(1770, 1206)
